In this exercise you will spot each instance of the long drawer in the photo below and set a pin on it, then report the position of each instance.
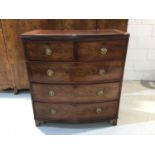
(75, 93)
(75, 72)
(75, 112)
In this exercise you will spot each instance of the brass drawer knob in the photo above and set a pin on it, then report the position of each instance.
(50, 72)
(98, 110)
(51, 93)
(48, 51)
(99, 92)
(53, 111)
(101, 72)
(103, 51)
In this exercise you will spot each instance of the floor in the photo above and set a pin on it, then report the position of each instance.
(136, 115)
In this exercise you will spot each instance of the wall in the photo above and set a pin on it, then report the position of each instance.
(140, 64)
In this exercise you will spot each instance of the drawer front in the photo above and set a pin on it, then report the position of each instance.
(75, 93)
(101, 50)
(75, 112)
(50, 51)
(75, 72)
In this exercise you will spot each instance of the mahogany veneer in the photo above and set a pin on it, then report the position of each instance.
(75, 112)
(75, 93)
(75, 75)
(75, 72)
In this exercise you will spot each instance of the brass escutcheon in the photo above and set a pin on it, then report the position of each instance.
(53, 111)
(51, 93)
(100, 92)
(103, 51)
(50, 72)
(48, 50)
(98, 110)
(101, 72)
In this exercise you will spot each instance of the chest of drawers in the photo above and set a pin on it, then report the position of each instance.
(75, 75)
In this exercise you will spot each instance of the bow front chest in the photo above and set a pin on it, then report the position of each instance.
(75, 75)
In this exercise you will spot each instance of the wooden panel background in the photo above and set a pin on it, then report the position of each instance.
(112, 24)
(5, 68)
(11, 48)
(12, 30)
(72, 24)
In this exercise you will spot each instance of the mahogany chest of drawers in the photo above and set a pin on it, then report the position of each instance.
(75, 75)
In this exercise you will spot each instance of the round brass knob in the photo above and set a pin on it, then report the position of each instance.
(50, 72)
(103, 51)
(48, 50)
(51, 93)
(98, 110)
(53, 111)
(99, 92)
(101, 72)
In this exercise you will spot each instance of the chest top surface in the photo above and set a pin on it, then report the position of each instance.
(73, 33)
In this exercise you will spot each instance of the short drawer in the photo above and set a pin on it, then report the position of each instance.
(75, 93)
(75, 72)
(50, 51)
(75, 112)
(101, 50)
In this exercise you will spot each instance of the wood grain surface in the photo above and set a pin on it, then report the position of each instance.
(61, 51)
(75, 72)
(91, 50)
(5, 67)
(75, 93)
(75, 112)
